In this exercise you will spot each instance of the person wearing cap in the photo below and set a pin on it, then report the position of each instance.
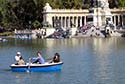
(39, 59)
(17, 57)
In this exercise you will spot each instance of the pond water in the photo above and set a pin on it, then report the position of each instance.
(86, 61)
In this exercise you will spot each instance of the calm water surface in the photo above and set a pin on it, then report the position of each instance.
(86, 61)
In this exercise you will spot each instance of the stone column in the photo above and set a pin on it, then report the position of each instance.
(122, 19)
(76, 21)
(80, 21)
(115, 21)
(69, 22)
(118, 19)
(52, 21)
(66, 21)
(72, 21)
(84, 20)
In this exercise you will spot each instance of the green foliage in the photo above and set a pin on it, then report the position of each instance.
(65, 4)
(16, 14)
(36, 24)
(121, 3)
(6, 33)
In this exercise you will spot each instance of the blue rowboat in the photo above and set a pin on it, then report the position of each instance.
(36, 67)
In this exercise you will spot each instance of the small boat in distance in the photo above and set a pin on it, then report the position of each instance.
(2, 40)
(36, 67)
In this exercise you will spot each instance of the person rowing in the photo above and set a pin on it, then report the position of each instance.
(39, 59)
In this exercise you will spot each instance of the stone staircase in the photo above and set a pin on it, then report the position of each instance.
(92, 32)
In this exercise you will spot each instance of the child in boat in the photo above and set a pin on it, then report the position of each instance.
(39, 59)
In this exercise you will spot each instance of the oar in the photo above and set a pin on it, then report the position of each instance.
(29, 62)
(49, 59)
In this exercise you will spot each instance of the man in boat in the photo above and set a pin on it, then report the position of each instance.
(39, 59)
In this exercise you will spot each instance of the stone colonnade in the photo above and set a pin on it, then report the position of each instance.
(74, 18)
(118, 17)
(65, 18)
(68, 21)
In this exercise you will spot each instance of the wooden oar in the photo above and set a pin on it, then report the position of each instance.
(49, 59)
(29, 61)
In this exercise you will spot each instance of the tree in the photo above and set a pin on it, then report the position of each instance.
(121, 5)
(72, 4)
(113, 3)
(3, 11)
(18, 13)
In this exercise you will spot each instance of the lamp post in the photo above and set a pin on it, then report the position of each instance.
(29, 25)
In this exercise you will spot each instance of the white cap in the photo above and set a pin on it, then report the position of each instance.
(18, 53)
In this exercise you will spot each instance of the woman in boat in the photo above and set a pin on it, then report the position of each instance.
(21, 61)
(39, 59)
(56, 58)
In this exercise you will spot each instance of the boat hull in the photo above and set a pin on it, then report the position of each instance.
(36, 67)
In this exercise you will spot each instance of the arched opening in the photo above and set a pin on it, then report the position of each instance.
(79, 21)
(67, 18)
(71, 23)
(53, 21)
(63, 22)
(83, 20)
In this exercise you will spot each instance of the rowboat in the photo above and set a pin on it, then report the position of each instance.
(2, 40)
(36, 67)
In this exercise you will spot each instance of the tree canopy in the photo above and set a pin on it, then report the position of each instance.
(21, 14)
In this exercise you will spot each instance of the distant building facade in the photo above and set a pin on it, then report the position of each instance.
(71, 18)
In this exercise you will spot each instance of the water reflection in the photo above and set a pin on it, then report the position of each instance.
(70, 42)
(104, 59)
(18, 78)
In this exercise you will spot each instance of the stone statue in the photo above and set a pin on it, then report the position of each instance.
(104, 4)
(47, 7)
